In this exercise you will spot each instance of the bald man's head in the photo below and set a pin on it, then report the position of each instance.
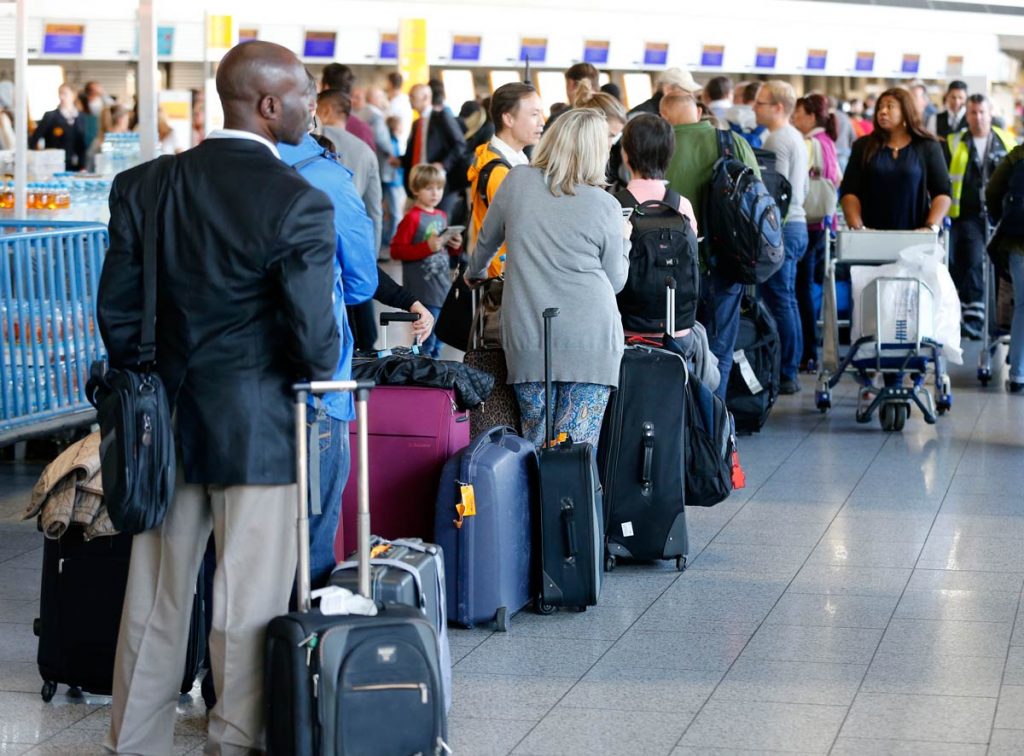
(264, 89)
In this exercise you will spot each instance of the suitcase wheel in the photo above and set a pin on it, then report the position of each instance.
(543, 608)
(37, 626)
(501, 619)
(680, 563)
(609, 562)
(49, 688)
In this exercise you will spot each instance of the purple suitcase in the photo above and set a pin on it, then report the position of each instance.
(413, 431)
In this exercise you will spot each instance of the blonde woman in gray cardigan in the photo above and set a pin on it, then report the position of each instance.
(567, 247)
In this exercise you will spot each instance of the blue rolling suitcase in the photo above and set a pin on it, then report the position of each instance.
(483, 526)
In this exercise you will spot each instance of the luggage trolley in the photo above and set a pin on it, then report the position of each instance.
(891, 350)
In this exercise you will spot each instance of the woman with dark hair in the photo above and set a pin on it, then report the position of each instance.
(897, 176)
(648, 142)
(582, 81)
(813, 119)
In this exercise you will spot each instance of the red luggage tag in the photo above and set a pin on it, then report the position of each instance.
(739, 478)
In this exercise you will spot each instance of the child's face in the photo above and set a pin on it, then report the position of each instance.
(430, 196)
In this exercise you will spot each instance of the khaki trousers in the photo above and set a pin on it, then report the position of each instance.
(254, 529)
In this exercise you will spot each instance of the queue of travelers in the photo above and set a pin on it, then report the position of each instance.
(258, 294)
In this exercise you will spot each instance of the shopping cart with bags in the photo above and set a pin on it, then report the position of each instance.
(894, 347)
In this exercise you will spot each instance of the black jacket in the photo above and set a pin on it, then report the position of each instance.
(445, 145)
(244, 280)
(58, 134)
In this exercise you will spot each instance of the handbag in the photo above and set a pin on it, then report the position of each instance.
(822, 196)
(456, 319)
(136, 437)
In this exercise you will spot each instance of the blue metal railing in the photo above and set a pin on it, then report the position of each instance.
(49, 276)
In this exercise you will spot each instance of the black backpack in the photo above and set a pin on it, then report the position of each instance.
(663, 245)
(710, 446)
(743, 225)
(1011, 214)
(484, 177)
(777, 185)
(756, 369)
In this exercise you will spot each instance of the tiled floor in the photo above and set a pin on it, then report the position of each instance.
(861, 596)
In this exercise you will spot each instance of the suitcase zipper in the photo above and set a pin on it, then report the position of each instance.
(421, 687)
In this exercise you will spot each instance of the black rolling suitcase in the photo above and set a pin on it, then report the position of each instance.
(83, 586)
(571, 512)
(642, 454)
(350, 684)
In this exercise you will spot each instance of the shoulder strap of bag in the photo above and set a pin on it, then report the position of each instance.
(310, 160)
(485, 177)
(626, 198)
(725, 146)
(155, 185)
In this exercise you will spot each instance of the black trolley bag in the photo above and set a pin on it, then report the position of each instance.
(82, 593)
(642, 453)
(756, 372)
(350, 684)
(571, 512)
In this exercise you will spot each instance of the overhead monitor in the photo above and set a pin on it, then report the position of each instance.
(63, 39)
(765, 57)
(534, 49)
(466, 48)
(388, 46)
(865, 62)
(596, 52)
(816, 60)
(911, 63)
(655, 53)
(320, 44)
(712, 56)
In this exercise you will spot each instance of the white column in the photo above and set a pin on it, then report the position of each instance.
(148, 84)
(20, 109)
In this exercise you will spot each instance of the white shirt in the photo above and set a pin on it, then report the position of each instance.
(980, 147)
(401, 109)
(512, 157)
(239, 134)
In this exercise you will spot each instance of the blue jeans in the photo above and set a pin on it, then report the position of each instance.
(432, 347)
(1017, 327)
(779, 294)
(724, 324)
(334, 469)
(807, 274)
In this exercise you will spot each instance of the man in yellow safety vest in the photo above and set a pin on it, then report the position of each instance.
(974, 152)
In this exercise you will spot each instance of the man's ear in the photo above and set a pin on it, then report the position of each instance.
(270, 107)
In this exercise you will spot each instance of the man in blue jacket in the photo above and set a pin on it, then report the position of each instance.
(355, 281)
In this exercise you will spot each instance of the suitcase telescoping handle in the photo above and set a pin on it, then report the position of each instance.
(397, 317)
(549, 411)
(361, 389)
(670, 306)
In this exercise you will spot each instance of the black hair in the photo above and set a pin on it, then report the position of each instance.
(337, 99)
(956, 84)
(506, 100)
(649, 142)
(977, 99)
(469, 107)
(395, 79)
(337, 76)
(718, 88)
(750, 92)
(612, 89)
(436, 91)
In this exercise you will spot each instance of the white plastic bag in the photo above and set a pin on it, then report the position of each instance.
(923, 262)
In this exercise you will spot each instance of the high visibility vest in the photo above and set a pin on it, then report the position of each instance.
(960, 151)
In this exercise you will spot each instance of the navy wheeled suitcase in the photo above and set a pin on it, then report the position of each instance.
(350, 685)
(642, 454)
(484, 507)
(571, 512)
(83, 587)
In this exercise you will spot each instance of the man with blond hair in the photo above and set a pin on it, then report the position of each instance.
(773, 106)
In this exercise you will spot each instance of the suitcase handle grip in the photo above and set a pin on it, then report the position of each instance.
(646, 482)
(569, 529)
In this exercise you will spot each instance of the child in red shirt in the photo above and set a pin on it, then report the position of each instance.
(423, 245)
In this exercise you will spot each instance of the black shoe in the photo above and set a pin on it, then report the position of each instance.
(789, 386)
(1014, 388)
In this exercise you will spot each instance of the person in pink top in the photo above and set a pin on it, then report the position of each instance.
(813, 119)
(648, 142)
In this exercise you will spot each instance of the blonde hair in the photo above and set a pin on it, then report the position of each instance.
(602, 101)
(425, 175)
(574, 150)
(781, 93)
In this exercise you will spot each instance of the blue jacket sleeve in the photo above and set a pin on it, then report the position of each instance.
(357, 248)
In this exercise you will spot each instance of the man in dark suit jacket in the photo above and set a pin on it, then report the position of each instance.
(245, 279)
(63, 129)
(443, 143)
